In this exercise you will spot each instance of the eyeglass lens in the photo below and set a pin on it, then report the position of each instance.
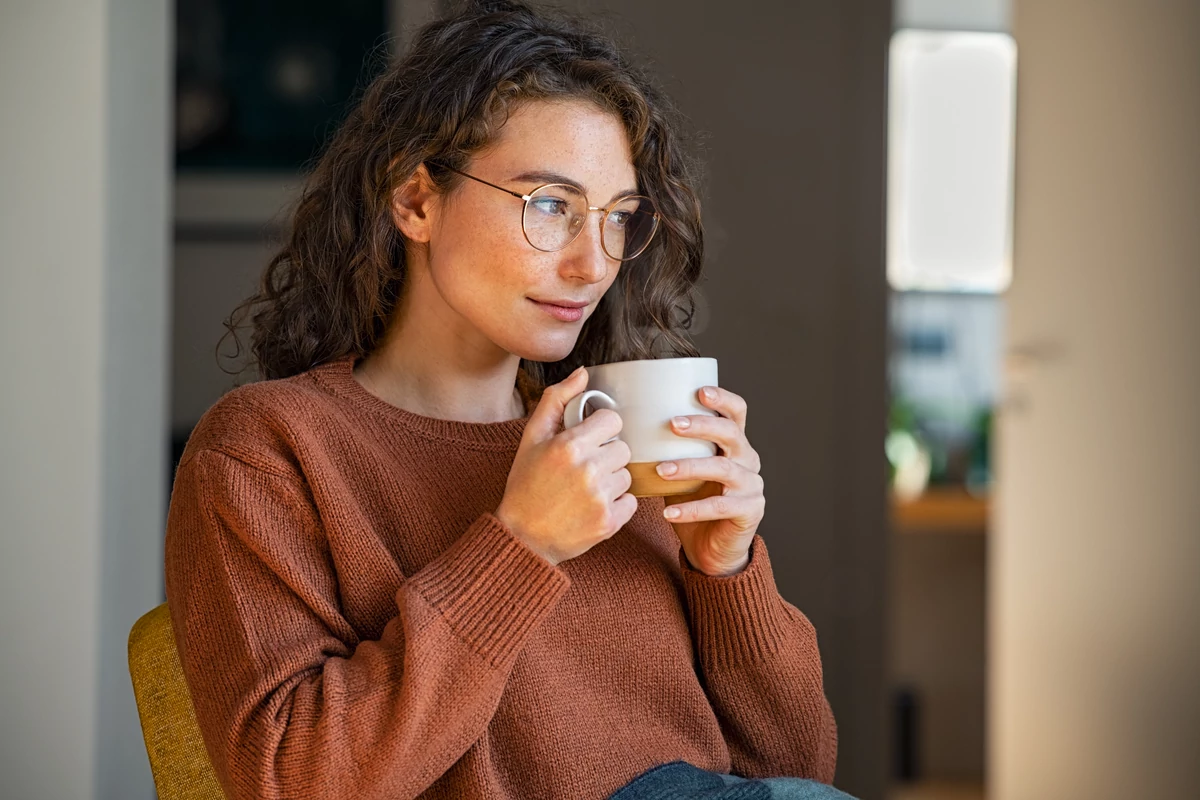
(555, 215)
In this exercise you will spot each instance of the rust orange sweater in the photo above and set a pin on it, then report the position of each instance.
(353, 622)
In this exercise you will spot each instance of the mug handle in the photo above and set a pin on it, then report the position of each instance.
(575, 411)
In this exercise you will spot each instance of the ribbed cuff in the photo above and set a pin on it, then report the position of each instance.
(736, 618)
(491, 589)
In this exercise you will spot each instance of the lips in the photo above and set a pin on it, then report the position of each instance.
(563, 303)
(563, 313)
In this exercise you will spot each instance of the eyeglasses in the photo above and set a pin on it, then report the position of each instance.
(555, 214)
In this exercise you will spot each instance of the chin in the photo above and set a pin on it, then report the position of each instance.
(541, 346)
(545, 352)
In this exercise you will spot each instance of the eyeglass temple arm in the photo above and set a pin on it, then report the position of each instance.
(517, 195)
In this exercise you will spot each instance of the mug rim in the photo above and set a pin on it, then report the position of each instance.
(650, 361)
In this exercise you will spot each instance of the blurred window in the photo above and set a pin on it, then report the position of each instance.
(951, 111)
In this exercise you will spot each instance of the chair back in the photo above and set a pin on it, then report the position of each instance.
(178, 760)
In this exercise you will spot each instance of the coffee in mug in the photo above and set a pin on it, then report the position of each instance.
(647, 394)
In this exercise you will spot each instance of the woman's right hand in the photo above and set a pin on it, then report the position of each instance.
(567, 490)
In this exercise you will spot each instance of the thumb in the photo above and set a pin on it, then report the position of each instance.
(546, 420)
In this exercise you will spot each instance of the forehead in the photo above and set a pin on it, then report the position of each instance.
(574, 138)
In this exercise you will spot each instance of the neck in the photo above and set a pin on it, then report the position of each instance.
(430, 370)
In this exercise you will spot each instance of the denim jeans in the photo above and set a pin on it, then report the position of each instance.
(680, 780)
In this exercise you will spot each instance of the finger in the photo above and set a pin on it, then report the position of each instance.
(718, 469)
(624, 507)
(617, 483)
(546, 419)
(614, 456)
(725, 433)
(743, 512)
(596, 429)
(726, 403)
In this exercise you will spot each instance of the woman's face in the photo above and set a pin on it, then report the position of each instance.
(490, 278)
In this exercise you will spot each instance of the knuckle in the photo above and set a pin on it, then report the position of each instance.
(570, 451)
(721, 504)
(607, 418)
(725, 465)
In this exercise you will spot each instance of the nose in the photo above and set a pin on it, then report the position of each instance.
(585, 258)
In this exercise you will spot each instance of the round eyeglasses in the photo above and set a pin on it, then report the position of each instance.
(555, 214)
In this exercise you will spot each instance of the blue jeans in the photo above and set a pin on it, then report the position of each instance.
(680, 780)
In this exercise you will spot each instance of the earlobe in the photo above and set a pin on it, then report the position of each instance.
(412, 203)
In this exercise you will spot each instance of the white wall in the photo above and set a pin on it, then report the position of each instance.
(84, 89)
(1095, 589)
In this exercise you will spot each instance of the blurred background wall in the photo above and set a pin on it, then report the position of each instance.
(1095, 597)
(84, 331)
(792, 114)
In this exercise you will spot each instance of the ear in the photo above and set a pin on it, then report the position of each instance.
(413, 206)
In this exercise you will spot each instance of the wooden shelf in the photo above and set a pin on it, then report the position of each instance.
(940, 510)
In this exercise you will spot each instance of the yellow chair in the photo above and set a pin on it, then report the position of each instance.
(178, 759)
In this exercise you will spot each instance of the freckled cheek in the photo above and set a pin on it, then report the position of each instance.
(499, 275)
(499, 237)
(478, 243)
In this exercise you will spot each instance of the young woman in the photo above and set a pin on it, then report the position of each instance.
(391, 572)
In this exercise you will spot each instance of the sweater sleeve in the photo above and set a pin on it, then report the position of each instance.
(290, 702)
(762, 669)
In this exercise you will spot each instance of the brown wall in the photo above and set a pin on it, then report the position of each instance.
(790, 97)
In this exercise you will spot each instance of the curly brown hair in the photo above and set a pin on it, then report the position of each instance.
(332, 287)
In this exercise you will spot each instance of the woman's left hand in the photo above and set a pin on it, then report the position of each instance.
(716, 524)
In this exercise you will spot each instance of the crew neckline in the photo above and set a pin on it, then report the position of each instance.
(338, 376)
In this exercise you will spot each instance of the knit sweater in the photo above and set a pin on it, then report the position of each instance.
(354, 622)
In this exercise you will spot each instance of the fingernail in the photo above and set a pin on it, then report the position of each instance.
(671, 512)
(682, 422)
(709, 393)
(667, 468)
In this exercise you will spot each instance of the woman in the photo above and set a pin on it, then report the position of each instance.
(391, 573)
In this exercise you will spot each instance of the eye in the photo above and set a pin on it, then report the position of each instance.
(620, 219)
(550, 206)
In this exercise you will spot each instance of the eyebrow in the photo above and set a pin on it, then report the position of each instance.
(541, 177)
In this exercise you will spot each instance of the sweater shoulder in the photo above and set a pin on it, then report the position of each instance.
(262, 423)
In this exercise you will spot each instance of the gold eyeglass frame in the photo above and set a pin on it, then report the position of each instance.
(527, 197)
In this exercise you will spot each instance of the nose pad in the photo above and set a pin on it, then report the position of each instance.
(577, 223)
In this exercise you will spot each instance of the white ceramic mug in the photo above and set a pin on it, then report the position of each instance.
(647, 394)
